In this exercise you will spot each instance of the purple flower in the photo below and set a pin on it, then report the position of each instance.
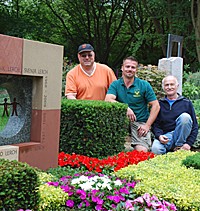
(65, 188)
(129, 205)
(132, 185)
(80, 205)
(139, 200)
(82, 193)
(98, 207)
(53, 184)
(116, 199)
(87, 203)
(70, 203)
(124, 190)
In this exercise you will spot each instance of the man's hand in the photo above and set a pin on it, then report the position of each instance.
(143, 130)
(186, 147)
(163, 139)
(130, 114)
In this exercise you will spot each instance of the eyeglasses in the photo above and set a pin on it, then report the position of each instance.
(86, 54)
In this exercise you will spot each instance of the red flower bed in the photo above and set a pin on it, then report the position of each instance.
(116, 162)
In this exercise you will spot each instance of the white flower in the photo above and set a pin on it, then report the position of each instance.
(95, 182)
(86, 186)
(117, 182)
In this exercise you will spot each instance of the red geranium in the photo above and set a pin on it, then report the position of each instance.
(116, 162)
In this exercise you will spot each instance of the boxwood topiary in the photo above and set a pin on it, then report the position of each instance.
(192, 161)
(18, 186)
(93, 128)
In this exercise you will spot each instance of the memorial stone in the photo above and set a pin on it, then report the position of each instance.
(31, 73)
(173, 65)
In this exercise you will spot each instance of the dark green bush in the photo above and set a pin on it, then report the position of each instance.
(93, 128)
(192, 161)
(18, 186)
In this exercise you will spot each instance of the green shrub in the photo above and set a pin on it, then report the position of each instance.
(166, 177)
(93, 128)
(192, 161)
(51, 198)
(191, 85)
(62, 171)
(196, 104)
(154, 77)
(190, 90)
(18, 186)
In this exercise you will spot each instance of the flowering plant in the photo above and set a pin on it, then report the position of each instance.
(111, 163)
(23, 210)
(90, 191)
(147, 203)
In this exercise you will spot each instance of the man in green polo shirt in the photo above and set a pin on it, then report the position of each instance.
(139, 96)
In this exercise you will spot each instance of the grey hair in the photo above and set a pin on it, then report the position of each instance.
(163, 80)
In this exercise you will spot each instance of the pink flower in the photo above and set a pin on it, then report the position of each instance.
(70, 203)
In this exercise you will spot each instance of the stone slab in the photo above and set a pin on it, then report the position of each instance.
(9, 152)
(41, 63)
(44, 61)
(173, 66)
(43, 149)
(10, 55)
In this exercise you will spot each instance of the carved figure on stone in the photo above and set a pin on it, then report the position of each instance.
(5, 104)
(14, 107)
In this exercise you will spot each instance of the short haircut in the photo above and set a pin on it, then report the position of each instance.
(130, 58)
(163, 80)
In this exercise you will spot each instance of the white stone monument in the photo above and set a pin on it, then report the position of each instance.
(173, 65)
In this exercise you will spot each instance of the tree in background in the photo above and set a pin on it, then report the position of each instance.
(195, 13)
(116, 28)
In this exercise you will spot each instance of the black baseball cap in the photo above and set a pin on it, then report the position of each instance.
(85, 47)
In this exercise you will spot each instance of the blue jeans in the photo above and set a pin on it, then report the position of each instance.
(176, 137)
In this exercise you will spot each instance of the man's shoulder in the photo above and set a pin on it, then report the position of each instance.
(117, 82)
(74, 69)
(103, 66)
(142, 81)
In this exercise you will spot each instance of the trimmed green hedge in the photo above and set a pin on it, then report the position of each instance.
(18, 186)
(166, 177)
(192, 161)
(93, 128)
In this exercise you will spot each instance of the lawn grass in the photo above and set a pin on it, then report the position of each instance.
(3, 119)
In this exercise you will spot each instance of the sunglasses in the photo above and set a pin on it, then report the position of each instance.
(86, 54)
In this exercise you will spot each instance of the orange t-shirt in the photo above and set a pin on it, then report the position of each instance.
(93, 87)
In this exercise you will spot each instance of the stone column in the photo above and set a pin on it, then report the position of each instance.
(173, 66)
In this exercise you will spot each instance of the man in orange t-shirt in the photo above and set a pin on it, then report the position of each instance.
(88, 80)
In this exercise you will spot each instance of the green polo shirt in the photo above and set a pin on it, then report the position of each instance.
(137, 96)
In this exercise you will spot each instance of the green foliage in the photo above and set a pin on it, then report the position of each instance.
(194, 78)
(67, 66)
(93, 128)
(190, 90)
(115, 28)
(180, 186)
(154, 77)
(19, 186)
(191, 85)
(192, 161)
(3, 119)
(51, 198)
(196, 104)
(63, 171)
